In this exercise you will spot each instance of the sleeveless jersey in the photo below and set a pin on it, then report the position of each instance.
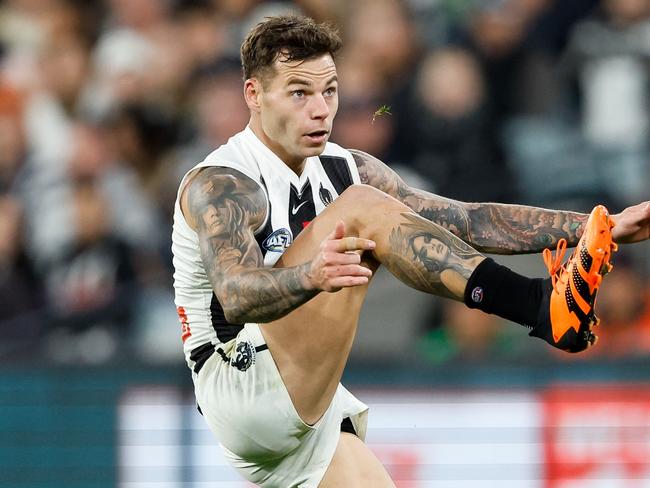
(292, 202)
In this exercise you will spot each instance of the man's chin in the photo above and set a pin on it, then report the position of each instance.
(315, 150)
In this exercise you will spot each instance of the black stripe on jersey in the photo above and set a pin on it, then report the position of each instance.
(266, 231)
(301, 208)
(224, 329)
(337, 171)
(201, 354)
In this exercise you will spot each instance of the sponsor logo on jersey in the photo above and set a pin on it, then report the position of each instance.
(244, 356)
(278, 241)
(294, 209)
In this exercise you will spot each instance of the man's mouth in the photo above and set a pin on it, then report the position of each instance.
(317, 136)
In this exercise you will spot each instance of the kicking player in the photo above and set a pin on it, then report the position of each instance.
(276, 237)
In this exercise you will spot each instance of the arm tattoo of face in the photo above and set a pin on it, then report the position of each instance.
(489, 227)
(427, 257)
(227, 207)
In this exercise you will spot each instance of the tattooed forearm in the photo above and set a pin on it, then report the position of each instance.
(427, 257)
(489, 227)
(225, 207)
(512, 229)
(501, 228)
(264, 295)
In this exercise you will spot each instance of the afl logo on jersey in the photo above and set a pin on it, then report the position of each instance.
(278, 241)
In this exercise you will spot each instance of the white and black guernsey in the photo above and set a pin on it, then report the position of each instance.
(292, 202)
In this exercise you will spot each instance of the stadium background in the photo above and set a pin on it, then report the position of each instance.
(105, 104)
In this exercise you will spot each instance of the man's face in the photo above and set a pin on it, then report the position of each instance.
(429, 248)
(298, 103)
(214, 221)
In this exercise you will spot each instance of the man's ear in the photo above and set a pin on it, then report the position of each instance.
(252, 93)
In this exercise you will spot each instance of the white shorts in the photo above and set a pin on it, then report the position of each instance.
(247, 406)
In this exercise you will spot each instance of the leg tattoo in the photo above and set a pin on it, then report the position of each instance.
(429, 258)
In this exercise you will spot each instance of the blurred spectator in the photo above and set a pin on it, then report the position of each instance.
(608, 60)
(381, 32)
(140, 135)
(554, 166)
(217, 105)
(358, 127)
(21, 295)
(90, 281)
(90, 286)
(50, 200)
(218, 111)
(514, 42)
(13, 150)
(204, 32)
(624, 310)
(235, 10)
(452, 140)
(139, 59)
(463, 334)
(362, 92)
(47, 61)
(324, 10)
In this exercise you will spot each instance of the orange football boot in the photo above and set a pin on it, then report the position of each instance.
(567, 312)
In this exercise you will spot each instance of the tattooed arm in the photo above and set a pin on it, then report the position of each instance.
(224, 207)
(488, 227)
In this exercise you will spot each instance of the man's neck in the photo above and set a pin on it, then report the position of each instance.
(294, 165)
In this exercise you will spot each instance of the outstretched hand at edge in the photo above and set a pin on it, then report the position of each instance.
(632, 224)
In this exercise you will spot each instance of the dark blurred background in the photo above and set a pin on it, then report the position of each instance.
(104, 105)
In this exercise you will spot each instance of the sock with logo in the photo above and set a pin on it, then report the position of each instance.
(496, 289)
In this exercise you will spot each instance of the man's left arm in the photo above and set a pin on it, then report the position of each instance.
(494, 227)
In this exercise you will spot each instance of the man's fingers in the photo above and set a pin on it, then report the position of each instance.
(338, 232)
(352, 270)
(337, 258)
(347, 281)
(355, 244)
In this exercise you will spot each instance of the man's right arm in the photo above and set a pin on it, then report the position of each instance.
(224, 207)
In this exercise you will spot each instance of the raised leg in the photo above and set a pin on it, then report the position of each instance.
(311, 344)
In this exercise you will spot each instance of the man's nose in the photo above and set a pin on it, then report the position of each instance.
(319, 108)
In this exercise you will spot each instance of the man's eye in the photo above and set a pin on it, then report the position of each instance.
(298, 93)
(330, 91)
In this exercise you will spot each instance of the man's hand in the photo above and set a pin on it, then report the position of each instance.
(338, 262)
(632, 224)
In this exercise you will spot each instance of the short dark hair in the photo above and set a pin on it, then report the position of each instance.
(296, 38)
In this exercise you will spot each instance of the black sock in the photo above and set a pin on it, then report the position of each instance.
(496, 289)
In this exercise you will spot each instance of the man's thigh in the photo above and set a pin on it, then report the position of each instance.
(355, 466)
(311, 344)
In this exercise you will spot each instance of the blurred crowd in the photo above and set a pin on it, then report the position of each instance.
(104, 105)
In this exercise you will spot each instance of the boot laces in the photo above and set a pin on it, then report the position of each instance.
(554, 263)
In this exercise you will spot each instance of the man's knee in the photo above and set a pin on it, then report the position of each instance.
(361, 194)
(363, 203)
